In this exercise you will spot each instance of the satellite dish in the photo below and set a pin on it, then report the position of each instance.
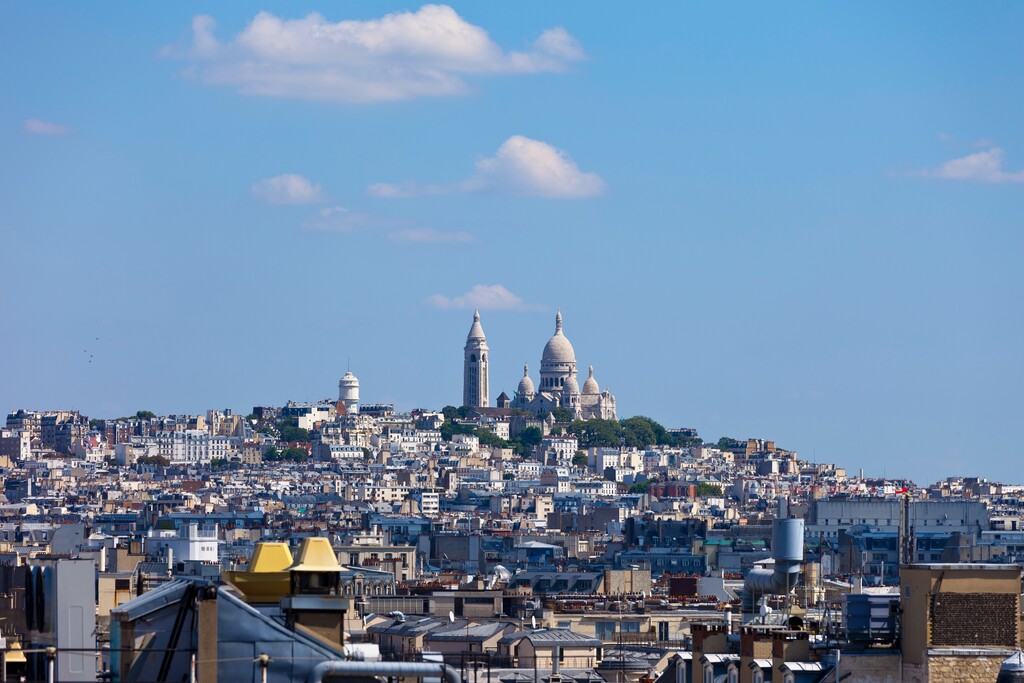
(533, 621)
(451, 616)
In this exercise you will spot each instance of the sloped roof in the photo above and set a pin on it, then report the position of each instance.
(552, 637)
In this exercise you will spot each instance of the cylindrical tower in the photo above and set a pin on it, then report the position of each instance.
(348, 392)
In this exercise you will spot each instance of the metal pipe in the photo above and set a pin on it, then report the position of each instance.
(336, 667)
(264, 660)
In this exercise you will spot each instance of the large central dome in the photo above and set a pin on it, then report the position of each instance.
(558, 349)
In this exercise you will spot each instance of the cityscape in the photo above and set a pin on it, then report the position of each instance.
(511, 343)
(494, 536)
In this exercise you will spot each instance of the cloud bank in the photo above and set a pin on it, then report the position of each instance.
(981, 167)
(484, 297)
(288, 188)
(40, 127)
(521, 167)
(403, 55)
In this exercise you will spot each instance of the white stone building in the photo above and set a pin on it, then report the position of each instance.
(559, 387)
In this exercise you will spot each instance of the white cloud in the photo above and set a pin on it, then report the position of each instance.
(399, 56)
(430, 236)
(484, 297)
(40, 127)
(340, 219)
(522, 167)
(982, 167)
(288, 188)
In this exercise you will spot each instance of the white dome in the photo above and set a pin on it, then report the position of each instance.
(526, 384)
(590, 386)
(571, 386)
(558, 349)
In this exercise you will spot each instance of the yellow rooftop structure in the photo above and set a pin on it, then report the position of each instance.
(15, 655)
(270, 557)
(316, 555)
(267, 578)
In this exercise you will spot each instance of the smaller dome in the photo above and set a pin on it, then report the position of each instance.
(590, 386)
(570, 386)
(526, 384)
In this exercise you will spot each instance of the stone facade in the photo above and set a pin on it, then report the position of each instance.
(474, 375)
(958, 666)
(559, 387)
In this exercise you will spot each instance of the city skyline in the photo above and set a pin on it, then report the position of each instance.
(794, 223)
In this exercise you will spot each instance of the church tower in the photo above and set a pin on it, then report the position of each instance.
(474, 376)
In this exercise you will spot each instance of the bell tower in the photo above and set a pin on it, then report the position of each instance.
(474, 376)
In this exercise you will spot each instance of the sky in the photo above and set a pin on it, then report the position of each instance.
(801, 222)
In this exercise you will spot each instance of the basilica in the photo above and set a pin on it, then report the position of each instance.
(558, 387)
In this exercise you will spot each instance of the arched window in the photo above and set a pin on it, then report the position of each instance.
(472, 358)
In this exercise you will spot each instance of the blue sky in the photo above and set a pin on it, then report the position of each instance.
(798, 222)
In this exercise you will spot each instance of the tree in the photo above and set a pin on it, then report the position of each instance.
(597, 432)
(145, 414)
(561, 414)
(531, 436)
(726, 443)
(706, 490)
(580, 459)
(489, 438)
(294, 454)
(289, 430)
(638, 432)
(449, 429)
(640, 487)
(271, 454)
(508, 476)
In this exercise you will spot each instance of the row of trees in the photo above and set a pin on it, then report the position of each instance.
(633, 432)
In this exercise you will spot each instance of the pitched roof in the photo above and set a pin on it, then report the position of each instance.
(551, 637)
